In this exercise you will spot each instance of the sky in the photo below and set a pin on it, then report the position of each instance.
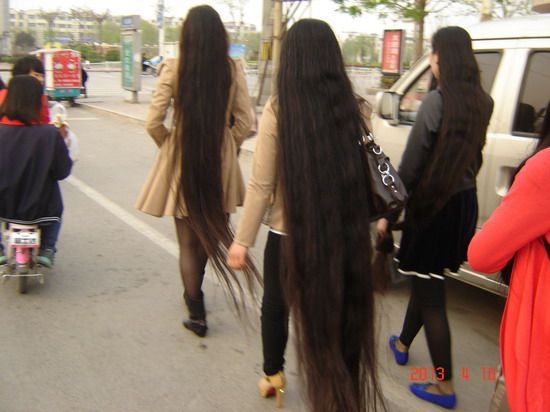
(341, 23)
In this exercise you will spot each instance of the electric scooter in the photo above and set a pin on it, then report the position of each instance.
(22, 246)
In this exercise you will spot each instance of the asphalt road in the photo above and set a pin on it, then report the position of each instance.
(104, 334)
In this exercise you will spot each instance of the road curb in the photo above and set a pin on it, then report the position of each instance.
(115, 112)
(129, 116)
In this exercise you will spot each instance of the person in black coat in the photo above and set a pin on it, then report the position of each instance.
(84, 77)
(33, 159)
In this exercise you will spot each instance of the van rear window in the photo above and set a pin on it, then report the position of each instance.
(488, 63)
(535, 92)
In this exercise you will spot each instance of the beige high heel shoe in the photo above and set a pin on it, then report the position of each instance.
(273, 385)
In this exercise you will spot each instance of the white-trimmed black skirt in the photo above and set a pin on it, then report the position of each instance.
(442, 244)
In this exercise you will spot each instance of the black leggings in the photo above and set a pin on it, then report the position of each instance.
(192, 259)
(427, 307)
(274, 308)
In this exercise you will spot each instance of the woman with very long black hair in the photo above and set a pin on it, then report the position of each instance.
(307, 164)
(439, 169)
(196, 177)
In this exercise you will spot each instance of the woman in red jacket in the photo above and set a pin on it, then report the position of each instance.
(519, 229)
(32, 66)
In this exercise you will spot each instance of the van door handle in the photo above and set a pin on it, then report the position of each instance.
(503, 178)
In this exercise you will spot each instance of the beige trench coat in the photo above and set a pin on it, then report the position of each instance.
(263, 190)
(159, 193)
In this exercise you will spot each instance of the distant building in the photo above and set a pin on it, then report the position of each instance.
(64, 27)
(541, 6)
(233, 27)
(5, 43)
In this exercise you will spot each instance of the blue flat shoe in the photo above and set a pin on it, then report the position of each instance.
(400, 357)
(420, 390)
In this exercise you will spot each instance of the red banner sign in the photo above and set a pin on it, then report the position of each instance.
(66, 69)
(391, 51)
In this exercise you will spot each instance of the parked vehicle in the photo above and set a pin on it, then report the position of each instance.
(63, 77)
(151, 66)
(22, 244)
(514, 59)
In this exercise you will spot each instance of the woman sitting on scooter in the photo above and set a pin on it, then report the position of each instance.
(33, 159)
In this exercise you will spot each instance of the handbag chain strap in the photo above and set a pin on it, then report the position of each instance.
(383, 166)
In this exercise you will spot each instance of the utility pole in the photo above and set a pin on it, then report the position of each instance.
(263, 85)
(160, 25)
(418, 49)
(5, 43)
(277, 38)
(486, 10)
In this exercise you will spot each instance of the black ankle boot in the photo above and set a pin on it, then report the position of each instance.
(197, 315)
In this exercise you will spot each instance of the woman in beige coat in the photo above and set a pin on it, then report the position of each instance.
(196, 177)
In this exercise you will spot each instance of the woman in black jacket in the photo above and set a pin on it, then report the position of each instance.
(33, 159)
(439, 168)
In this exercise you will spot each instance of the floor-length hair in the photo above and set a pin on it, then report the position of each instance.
(327, 253)
(203, 88)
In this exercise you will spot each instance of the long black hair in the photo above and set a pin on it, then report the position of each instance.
(23, 100)
(203, 88)
(327, 252)
(466, 113)
(26, 65)
(543, 139)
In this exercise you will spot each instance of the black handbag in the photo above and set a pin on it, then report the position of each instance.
(387, 192)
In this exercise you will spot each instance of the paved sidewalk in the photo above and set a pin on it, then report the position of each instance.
(122, 106)
(475, 329)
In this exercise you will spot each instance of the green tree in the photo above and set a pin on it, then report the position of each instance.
(172, 33)
(418, 10)
(252, 41)
(112, 55)
(415, 10)
(87, 51)
(50, 17)
(79, 15)
(360, 50)
(503, 8)
(24, 40)
(149, 33)
(100, 18)
(236, 10)
(111, 32)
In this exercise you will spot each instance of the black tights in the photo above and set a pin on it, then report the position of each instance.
(274, 309)
(192, 260)
(427, 308)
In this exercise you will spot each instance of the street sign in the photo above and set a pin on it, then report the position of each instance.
(130, 22)
(160, 14)
(237, 51)
(392, 51)
(130, 40)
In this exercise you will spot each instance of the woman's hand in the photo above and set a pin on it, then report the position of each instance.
(382, 227)
(236, 257)
(63, 131)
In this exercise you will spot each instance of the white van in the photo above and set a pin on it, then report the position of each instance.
(514, 59)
